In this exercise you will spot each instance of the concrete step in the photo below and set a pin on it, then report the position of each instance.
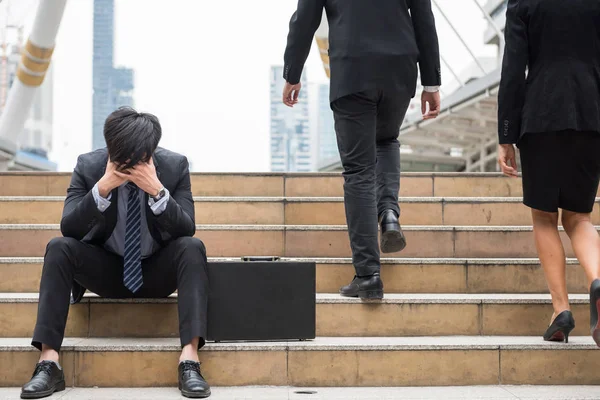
(316, 241)
(333, 362)
(304, 211)
(396, 315)
(508, 392)
(289, 185)
(400, 275)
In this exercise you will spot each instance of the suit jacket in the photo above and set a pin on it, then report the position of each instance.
(83, 221)
(559, 41)
(373, 44)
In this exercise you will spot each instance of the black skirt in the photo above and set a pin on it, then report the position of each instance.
(560, 170)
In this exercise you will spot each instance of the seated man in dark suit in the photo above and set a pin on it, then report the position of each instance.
(128, 226)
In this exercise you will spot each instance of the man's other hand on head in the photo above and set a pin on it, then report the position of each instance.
(143, 174)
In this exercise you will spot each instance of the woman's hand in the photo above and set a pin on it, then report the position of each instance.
(507, 160)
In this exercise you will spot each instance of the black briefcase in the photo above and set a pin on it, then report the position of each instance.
(258, 300)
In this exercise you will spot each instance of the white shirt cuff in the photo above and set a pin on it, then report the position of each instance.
(101, 202)
(431, 89)
(159, 207)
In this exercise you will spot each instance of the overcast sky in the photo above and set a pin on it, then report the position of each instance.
(203, 68)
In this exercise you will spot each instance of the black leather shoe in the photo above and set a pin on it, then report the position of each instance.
(367, 288)
(560, 328)
(392, 238)
(191, 381)
(47, 379)
(595, 311)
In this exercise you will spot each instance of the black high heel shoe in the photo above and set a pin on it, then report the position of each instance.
(595, 311)
(561, 327)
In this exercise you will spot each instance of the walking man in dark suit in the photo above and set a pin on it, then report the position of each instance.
(128, 226)
(374, 48)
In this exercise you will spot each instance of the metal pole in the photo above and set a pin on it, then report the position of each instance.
(460, 37)
(35, 61)
(501, 41)
(460, 82)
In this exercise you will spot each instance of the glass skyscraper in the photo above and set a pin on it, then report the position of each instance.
(291, 147)
(328, 150)
(113, 87)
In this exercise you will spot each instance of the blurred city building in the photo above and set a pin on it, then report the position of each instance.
(292, 148)
(113, 87)
(327, 141)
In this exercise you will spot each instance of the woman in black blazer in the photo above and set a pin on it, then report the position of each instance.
(552, 113)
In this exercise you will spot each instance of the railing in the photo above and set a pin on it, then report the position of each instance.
(480, 152)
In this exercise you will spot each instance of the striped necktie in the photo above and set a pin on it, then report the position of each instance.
(132, 255)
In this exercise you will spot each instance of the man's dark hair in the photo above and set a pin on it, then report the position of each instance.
(131, 136)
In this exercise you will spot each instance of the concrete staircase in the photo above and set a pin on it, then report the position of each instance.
(465, 304)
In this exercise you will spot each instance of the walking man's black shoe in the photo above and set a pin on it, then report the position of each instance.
(367, 288)
(392, 238)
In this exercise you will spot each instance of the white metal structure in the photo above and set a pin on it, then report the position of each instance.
(463, 137)
(34, 64)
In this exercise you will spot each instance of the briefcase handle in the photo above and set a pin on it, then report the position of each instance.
(260, 258)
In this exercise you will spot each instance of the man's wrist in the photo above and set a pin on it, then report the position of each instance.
(103, 189)
(156, 190)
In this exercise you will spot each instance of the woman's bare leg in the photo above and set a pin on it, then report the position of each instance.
(585, 241)
(552, 257)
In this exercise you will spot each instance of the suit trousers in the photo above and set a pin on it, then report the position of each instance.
(181, 266)
(367, 126)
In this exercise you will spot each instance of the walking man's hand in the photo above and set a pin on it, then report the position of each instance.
(433, 99)
(291, 93)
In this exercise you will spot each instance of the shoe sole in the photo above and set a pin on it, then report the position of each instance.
(192, 395)
(392, 241)
(596, 330)
(371, 295)
(557, 337)
(59, 387)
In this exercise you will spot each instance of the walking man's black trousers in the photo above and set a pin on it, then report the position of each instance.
(367, 125)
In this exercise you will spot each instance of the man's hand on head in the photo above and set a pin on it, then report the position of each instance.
(143, 174)
(110, 180)
(291, 93)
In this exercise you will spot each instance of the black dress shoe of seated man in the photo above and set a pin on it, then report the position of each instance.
(191, 382)
(392, 238)
(47, 379)
(366, 287)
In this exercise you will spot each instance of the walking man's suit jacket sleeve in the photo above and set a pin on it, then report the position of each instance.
(427, 42)
(511, 95)
(303, 25)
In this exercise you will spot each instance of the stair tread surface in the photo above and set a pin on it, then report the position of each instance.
(333, 393)
(332, 298)
(318, 344)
